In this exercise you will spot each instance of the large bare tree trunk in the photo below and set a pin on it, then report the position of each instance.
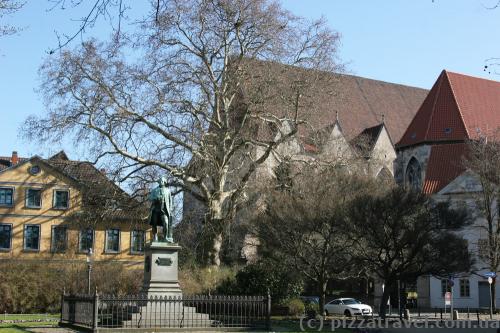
(322, 298)
(214, 252)
(215, 229)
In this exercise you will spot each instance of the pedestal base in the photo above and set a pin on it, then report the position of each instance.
(161, 265)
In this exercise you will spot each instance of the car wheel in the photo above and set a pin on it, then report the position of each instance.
(347, 313)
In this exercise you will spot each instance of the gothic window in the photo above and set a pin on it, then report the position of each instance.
(414, 175)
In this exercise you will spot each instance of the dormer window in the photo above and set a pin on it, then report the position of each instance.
(447, 130)
(413, 135)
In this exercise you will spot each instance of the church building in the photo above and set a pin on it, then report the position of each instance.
(430, 158)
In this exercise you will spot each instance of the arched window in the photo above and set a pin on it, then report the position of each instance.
(414, 175)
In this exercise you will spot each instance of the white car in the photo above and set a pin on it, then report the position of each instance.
(348, 307)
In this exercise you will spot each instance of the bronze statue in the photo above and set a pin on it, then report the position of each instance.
(161, 211)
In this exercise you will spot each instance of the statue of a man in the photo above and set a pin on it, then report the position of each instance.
(161, 211)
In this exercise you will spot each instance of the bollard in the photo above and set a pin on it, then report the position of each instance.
(468, 313)
(441, 312)
(455, 315)
(477, 313)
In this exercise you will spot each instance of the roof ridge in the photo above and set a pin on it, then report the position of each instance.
(277, 63)
(471, 76)
(381, 81)
(457, 104)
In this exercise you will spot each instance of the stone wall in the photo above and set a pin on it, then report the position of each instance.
(421, 153)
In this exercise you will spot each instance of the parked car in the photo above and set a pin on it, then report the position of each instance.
(310, 299)
(348, 307)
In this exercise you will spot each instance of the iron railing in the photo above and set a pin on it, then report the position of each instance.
(188, 312)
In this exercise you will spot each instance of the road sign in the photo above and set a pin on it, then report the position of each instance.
(490, 274)
(490, 280)
(447, 298)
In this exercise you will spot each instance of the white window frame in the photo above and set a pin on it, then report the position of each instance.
(132, 251)
(13, 189)
(106, 250)
(26, 197)
(10, 237)
(25, 227)
(80, 240)
(447, 284)
(466, 287)
(54, 199)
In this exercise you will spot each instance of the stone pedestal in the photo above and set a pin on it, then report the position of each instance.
(161, 270)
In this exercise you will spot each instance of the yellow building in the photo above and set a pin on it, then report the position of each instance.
(58, 209)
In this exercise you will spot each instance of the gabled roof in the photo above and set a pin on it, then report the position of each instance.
(444, 165)
(357, 102)
(368, 138)
(458, 107)
(83, 172)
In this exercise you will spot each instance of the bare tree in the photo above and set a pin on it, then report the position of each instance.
(111, 10)
(8, 7)
(195, 92)
(483, 158)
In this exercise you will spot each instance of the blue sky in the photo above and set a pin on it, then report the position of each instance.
(402, 41)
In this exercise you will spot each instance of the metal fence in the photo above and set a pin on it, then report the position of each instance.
(117, 312)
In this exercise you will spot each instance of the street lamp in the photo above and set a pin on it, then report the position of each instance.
(90, 259)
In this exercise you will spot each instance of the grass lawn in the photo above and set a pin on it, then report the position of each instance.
(32, 317)
(25, 327)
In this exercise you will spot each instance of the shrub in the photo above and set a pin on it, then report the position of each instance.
(204, 280)
(256, 279)
(30, 287)
(311, 309)
(295, 307)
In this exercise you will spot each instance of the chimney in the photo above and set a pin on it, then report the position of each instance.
(14, 159)
(103, 171)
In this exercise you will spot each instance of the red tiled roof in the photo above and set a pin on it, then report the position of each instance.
(479, 103)
(444, 165)
(457, 108)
